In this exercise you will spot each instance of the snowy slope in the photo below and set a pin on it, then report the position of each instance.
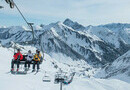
(34, 82)
(123, 30)
(18, 34)
(120, 67)
(117, 36)
(106, 35)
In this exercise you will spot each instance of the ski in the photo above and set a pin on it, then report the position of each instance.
(13, 72)
(36, 72)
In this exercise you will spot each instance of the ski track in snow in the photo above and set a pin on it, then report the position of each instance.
(34, 82)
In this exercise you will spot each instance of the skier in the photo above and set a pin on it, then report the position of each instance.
(36, 58)
(17, 57)
(28, 60)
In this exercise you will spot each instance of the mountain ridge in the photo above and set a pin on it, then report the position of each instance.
(90, 44)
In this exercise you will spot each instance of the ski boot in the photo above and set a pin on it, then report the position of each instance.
(12, 69)
(33, 70)
(37, 70)
(26, 69)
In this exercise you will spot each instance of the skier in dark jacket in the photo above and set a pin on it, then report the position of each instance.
(17, 57)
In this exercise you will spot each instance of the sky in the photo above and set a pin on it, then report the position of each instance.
(85, 12)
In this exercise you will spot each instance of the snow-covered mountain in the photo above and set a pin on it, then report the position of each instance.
(122, 30)
(74, 25)
(112, 38)
(97, 45)
(121, 66)
(115, 34)
(76, 44)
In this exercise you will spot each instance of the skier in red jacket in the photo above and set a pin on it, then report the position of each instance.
(17, 57)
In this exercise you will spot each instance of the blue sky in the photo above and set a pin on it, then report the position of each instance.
(86, 12)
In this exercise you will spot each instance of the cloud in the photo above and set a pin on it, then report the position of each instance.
(84, 11)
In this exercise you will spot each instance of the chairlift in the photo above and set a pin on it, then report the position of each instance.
(46, 78)
(64, 78)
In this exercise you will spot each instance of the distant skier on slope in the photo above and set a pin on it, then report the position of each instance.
(17, 57)
(37, 58)
(29, 60)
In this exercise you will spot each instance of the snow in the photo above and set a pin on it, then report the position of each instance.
(74, 25)
(3, 27)
(15, 29)
(105, 34)
(119, 69)
(54, 32)
(94, 37)
(63, 32)
(122, 61)
(37, 27)
(34, 82)
(120, 29)
(98, 84)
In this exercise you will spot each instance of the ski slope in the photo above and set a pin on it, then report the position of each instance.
(34, 82)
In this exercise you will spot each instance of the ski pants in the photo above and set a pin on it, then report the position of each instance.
(15, 61)
(34, 63)
(27, 64)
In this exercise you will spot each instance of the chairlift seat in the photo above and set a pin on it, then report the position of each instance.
(24, 60)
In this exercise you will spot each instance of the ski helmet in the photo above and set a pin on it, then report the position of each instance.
(29, 51)
(18, 49)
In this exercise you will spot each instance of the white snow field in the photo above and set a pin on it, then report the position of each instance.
(30, 81)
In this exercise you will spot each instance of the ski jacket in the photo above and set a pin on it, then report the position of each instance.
(37, 57)
(29, 57)
(18, 56)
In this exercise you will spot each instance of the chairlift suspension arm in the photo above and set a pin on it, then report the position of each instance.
(29, 24)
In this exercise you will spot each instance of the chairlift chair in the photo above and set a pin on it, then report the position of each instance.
(46, 78)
